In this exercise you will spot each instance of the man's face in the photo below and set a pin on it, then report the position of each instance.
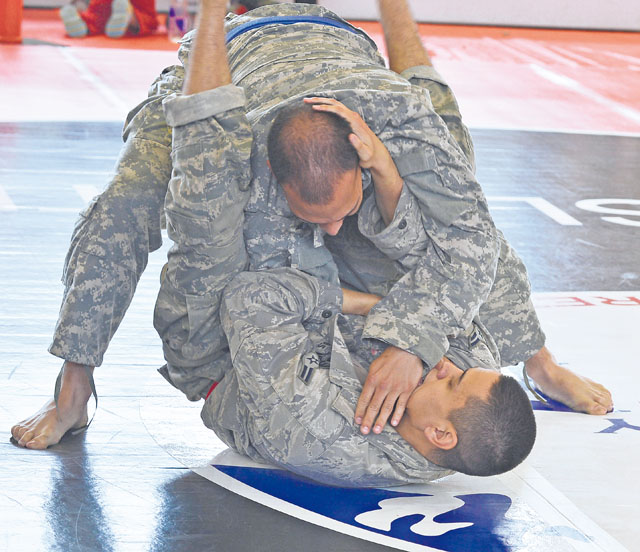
(346, 201)
(447, 388)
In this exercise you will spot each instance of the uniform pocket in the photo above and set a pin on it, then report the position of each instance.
(192, 230)
(309, 402)
(316, 261)
(205, 338)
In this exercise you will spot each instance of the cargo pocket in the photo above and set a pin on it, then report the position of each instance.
(429, 179)
(309, 403)
(316, 261)
(192, 230)
(77, 239)
(205, 338)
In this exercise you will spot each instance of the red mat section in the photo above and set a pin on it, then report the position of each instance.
(541, 79)
(46, 26)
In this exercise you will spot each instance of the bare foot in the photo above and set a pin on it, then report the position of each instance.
(47, 426)
(561, 384)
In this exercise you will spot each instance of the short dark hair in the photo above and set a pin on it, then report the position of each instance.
(494, 436)
(309, 150)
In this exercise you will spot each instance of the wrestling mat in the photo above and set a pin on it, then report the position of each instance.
(575, 223)
(564, 191)
(518, 511)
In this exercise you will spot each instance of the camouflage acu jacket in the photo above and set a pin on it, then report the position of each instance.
(297, 370)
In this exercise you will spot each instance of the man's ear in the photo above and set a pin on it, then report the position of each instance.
(444, 437)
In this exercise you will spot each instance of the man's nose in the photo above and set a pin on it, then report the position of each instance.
(332, 228)
(446, 368)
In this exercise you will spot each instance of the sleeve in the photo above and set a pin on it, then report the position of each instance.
(443, 292)
(508, 311)
(444, 104)
(204, 208)
(404, 238)
(271, 319)
(265, 308)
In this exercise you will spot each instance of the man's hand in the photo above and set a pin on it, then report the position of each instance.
(372, 152)
(393, 376)
(373, 155)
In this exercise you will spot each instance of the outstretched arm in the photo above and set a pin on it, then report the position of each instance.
(404, 46)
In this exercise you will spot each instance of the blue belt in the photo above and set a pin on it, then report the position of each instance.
(287, 20)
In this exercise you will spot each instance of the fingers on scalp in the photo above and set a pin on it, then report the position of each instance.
(323, 101)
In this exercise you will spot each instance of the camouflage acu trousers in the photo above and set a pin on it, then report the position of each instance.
(114, 235)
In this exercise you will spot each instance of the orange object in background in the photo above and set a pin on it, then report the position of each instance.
(11, 21)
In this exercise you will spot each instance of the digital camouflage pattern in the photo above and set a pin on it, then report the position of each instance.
(204, 207)
(289, 383)
(454, 272)
(114, 235)
(297, 372)
(435, 295)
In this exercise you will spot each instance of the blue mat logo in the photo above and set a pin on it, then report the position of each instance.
(445, 522)
(618, 423)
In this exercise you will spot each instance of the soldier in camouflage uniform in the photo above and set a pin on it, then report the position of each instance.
(297, 373)
(286, 392)
(273, 66)
(439, 188)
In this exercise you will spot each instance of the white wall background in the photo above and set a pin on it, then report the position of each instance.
(572, 14)
(580, 14)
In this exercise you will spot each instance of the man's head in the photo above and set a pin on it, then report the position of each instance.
(316, 165)
(477, 422)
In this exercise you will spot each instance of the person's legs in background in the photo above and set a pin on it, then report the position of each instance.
(115, 18)
(145, 17)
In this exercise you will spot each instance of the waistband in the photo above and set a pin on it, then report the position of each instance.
(287, 20)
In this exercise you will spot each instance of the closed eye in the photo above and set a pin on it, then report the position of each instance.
(463, 375)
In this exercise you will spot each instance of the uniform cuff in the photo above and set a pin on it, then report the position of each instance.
(427, 72)
(181, 110)
(329, 302)
(400, 236)
(404, 336)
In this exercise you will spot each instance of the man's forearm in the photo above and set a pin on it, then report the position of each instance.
(356, 302)
(404, 46)
(209, 67)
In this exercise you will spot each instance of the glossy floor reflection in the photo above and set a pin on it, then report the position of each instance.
(115, 487)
